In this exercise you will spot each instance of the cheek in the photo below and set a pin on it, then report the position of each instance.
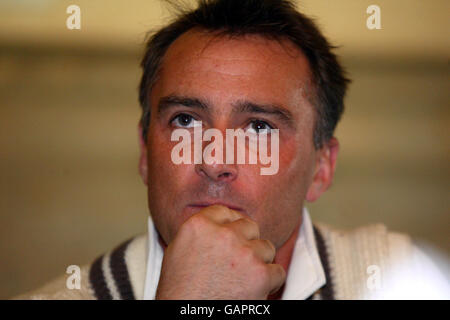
(267, 189)
(298, 154)
(293, 178)
(293, 159)
(158, 155)
(164, 176)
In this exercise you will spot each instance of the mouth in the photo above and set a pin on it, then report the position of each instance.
(204, 204)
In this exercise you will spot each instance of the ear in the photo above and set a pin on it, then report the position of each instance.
(324, 170)
(143, 168)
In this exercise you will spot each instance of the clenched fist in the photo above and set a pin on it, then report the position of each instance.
(217, 254)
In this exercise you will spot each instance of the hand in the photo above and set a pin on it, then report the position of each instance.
(217, 254)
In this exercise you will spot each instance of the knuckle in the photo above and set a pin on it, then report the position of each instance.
(248, 221)
(253, 225)
(281, 273)
(218, 208)
(196, 223)
(269, 246)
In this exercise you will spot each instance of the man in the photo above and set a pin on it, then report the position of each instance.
(223, 230)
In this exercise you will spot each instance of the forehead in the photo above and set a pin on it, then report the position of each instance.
(246, 67)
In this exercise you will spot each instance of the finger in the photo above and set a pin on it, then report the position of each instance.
(221, 214)
(264, 249)
(245, 227)
(277, 277)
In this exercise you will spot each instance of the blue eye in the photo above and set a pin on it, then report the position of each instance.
(185, 121)
(259, 126)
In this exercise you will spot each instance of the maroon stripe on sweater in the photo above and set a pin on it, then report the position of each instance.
(98, 282)
(120, 273)
(327, 291)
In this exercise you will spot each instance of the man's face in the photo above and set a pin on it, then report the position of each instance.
(221, 73)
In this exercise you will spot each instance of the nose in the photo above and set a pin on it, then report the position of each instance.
(217, 172)
(215, 167)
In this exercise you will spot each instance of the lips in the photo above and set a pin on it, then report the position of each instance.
(204, 204)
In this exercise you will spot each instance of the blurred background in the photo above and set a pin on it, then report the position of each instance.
(69, 185)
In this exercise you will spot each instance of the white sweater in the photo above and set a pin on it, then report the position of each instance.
(365, 263)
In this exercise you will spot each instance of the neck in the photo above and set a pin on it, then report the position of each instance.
(283, 257)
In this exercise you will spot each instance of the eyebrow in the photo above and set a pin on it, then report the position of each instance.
(243, 106)
(268, 109)
(172, 101)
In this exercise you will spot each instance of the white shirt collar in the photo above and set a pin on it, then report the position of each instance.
(305, 275)
(154, 261)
